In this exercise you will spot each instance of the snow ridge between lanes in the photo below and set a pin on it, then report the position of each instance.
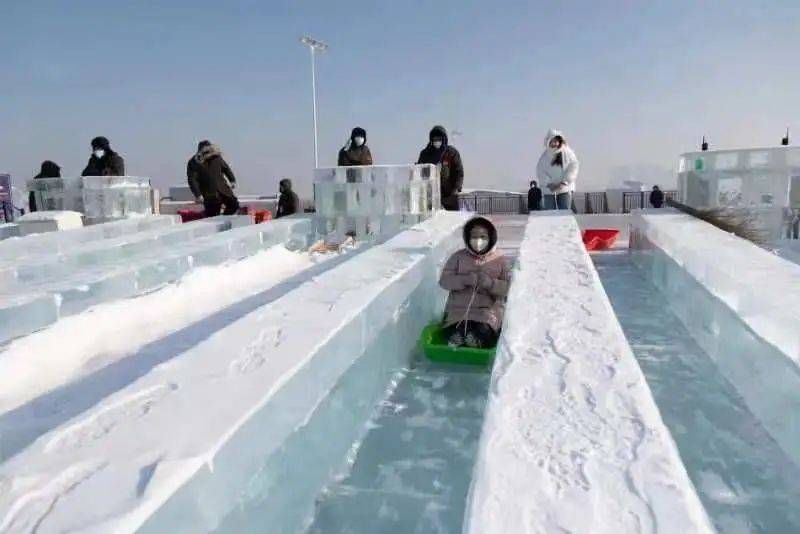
(572, 440)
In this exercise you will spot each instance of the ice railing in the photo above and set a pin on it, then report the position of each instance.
(755, 182)
(98, 197)
(38, 293)
(374, 201)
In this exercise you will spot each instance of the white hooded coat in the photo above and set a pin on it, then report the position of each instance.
(563, 176)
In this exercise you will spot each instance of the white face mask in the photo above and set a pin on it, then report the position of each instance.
(99, 153)
(478, 244)
(437, 145)
(358, 141)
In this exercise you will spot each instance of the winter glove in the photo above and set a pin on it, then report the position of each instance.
(485, 282)
(471, 280)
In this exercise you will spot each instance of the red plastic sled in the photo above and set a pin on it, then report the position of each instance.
(599, 239)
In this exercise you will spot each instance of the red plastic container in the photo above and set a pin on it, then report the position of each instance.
(599, 239)
(190, 215)
(263, 215)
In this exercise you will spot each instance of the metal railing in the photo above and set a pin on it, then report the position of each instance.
(635, 200)
(596, 202)
(593, 202)
(486, 205)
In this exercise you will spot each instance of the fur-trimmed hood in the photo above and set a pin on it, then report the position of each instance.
(207, 152)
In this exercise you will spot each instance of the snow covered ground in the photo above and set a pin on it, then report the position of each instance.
(110, 467)
(572, 441)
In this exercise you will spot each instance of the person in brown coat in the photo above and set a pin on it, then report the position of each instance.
(478, 279)
(211, 180)
(356, 151)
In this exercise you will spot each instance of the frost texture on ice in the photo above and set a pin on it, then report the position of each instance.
(49, 221)
(572, 440)
(36, 293)
(739, 302)
(277, 381)
(100, 198)
(374, 201)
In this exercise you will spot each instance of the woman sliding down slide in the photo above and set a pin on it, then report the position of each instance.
(478, 279)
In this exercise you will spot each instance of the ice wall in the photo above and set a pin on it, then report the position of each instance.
(375, 200)
(572, 440)
(260, 412)
(8, 230)
(38, 293)
(98, 197)
(739, 302)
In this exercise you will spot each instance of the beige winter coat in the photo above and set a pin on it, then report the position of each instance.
(488, 299)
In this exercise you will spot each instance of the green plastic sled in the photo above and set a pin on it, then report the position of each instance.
(436, 349)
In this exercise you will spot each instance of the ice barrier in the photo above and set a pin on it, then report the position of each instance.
(34, 245)
(23, 313)
(739, 302)
(8, 230)
(98, 197)
(374, 200)
(572, 440)
(309, 365)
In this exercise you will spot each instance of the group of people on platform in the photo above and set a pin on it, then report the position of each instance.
(438, 151)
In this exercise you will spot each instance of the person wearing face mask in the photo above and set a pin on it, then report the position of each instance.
(288, 201)
(558, 169)
(104, 161)
(478, 279)
(451, 170)
(355, 152)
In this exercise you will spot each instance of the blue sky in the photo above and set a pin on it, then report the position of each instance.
(632, 84)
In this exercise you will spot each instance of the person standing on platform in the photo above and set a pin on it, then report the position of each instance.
(451, 174)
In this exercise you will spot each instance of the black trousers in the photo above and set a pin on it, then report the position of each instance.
(214, 205)
(482, 332)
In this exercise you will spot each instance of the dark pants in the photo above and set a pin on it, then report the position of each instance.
(214, 205)
(483, 333)
(563, 201)
(450, 203)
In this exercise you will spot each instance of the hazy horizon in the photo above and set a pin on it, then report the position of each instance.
(631, 85)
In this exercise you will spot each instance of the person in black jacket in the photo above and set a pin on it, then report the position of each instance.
(104, 161)
(49, 170)
(439, 152)
(356, 151)
(656, 197)
(288, 202)
(211, 180)
(534, 197)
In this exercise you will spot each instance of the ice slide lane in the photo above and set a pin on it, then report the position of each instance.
(50, 381)
(113, 466)
(572, 440)
(746, 319)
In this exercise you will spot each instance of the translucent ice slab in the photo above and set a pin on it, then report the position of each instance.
(298, 378)
(125, 248)
(50, 243)
(736, 300)
(8, 230)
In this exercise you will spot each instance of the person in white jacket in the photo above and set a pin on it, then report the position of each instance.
(558, 170)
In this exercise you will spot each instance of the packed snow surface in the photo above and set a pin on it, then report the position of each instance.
(572, 440)
(34, 364)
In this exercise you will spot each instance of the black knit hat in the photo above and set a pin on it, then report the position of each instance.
(101, 142)
(359, 132)
(202, 144)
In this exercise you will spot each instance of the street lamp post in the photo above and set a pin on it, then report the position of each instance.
(314, 45)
